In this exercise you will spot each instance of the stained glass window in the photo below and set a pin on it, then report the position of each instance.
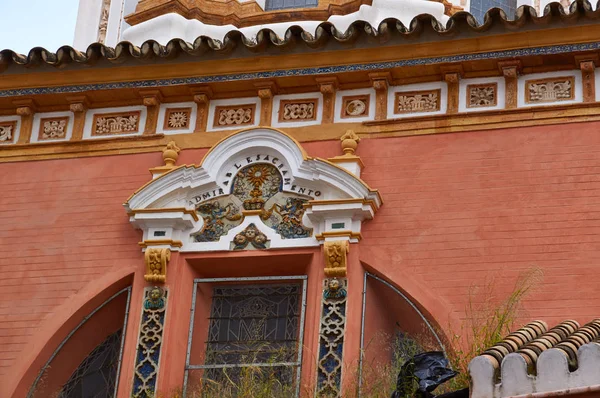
(96, 376)
(478, 8)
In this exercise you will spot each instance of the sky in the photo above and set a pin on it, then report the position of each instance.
(25, 24)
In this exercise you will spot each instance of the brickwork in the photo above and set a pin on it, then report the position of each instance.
(458, 208)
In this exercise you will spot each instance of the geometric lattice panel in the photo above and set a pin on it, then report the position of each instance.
(96, 376)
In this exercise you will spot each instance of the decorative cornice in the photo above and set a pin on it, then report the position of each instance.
(339, 234)
(166, 210)
(523, 52)
(160, 242)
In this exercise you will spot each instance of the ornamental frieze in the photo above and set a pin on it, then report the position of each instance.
(116, 123)
(482, 95)
(7, 131)
(237, 115)
(53, 128)
(417, 101)
(550, 90)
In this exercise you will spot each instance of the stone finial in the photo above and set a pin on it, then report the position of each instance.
(170, 154)
(349, 142)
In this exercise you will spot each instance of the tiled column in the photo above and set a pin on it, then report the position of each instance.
(380, 81)
(25, 109)
(202, 97)
(510, 70)
(152, 100)
(328, 87)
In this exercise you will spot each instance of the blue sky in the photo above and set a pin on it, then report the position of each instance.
(25, 24)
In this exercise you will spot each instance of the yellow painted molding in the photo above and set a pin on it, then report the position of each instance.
(339, 234)
(160, 242)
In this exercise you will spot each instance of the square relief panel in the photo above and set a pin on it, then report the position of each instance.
(53, 128)
(234, 115)
(483, 95)
(107, 124)
(298, 110)
(552, 89)
(355, 106)
(177, 119)
(417, 101)
(8, 131)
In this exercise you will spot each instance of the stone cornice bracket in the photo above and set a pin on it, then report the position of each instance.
(452, 79)
(587, 64)
(202, 96)
(156, 264)
(266, 91)
(151, 100)
(170, 156)
(381, 82)
(328, 86)
(25, 108)
(349, 160)
(511, 70)
(336, 252)
(78, 105)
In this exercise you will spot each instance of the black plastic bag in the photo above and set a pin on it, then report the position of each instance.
(428, 369)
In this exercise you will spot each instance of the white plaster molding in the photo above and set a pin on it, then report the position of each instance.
(463, 95)
(277, 104)
(187, 186)
(168, 26)
(578, 89)
(442, 86)
(552, 373)
(36, 126)
(89, 120)
(346, 93)
(228, 102)
(15, 134)
(163, 110)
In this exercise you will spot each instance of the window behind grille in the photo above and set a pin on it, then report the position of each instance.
(478, 8)
(272, 5)
(254, 325)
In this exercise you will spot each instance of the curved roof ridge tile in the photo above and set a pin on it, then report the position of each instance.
(387, 28)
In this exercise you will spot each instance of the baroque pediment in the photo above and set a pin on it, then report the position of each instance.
(261, 177)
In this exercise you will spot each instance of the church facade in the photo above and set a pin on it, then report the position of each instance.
(200, 201)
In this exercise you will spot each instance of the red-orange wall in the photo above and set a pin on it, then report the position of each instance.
(458, 209)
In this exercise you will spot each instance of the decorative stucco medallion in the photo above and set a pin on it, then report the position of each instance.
(177, 118)
(250, 237)
(550, 90)
(7, 132)
(53, 128)
(355, 106)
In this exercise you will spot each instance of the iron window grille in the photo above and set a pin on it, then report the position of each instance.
(258, 325)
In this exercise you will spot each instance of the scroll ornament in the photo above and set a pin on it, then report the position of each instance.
(156, 264)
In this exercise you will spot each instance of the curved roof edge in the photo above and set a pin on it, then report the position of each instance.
(324, 32)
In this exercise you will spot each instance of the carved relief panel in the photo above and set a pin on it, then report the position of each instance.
(106, 124)
(550, 90)
(234, 115)
(177, 118)
(298, 110)
(417, 101)
(482, 95)
(53, 128)
(355, 106)
(8, 130)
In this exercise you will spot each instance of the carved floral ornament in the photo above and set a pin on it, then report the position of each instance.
(116, 123)
(417, 101)
(256, 189)
(550, 90)
(53, 128)
(7, 131)
(156, 264)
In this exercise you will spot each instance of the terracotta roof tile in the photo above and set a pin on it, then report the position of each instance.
(461, 22)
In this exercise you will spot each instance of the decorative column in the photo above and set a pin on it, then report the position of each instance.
(152, 100)
(202, 97)
(381, 81)
(333, 319)
(266, 91)
(78, 106)
(588, 78)
(510, 70)
(25, 109)
(147, 358)
(328, 87)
